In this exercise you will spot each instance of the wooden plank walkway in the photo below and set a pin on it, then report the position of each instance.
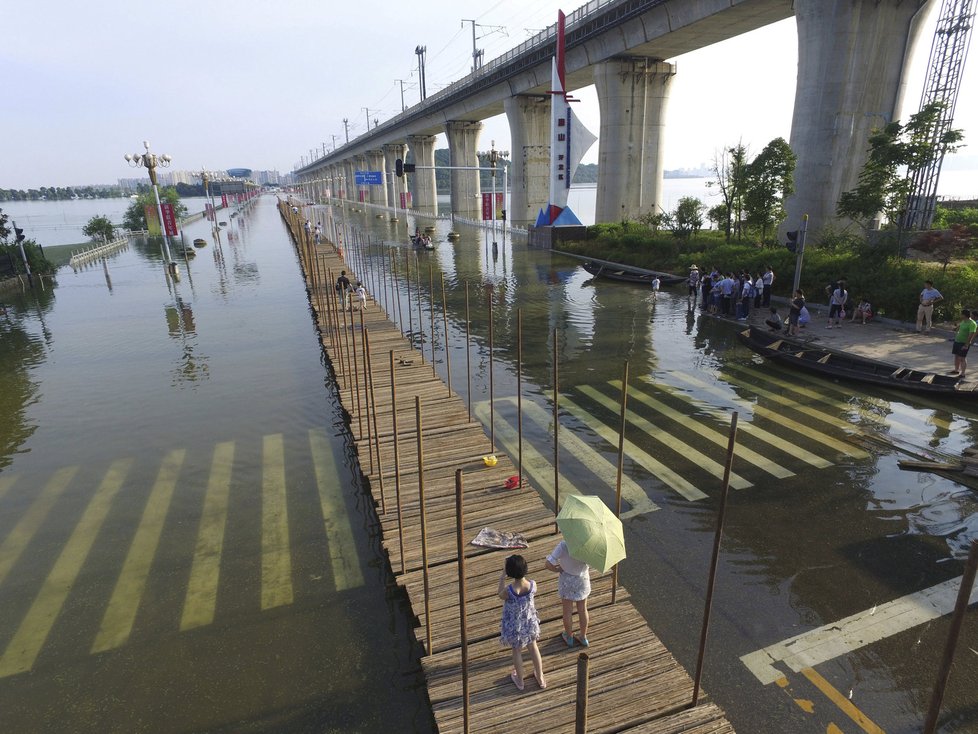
(635, 684)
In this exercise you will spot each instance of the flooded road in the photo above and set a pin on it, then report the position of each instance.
(170, 454)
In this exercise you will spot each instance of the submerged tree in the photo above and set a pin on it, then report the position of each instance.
(99, 228)
(884, 185)
(135, 216)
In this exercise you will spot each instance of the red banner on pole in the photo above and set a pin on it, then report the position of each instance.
(487, 206)
(224, 200)
(169, 219)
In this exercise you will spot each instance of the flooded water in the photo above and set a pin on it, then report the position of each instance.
(170, 452)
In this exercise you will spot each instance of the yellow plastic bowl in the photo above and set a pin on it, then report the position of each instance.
(490, 460)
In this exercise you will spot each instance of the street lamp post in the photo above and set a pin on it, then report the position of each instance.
(150, 161)
(494, 157)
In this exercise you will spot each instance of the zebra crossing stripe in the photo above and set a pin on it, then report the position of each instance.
(15, 543)
(535, 464)
(778, 442)
(121, 612)
(654, 467)
(6, 483)
(596, 463)
(276, 563)
(339, 531)
(27, 642)
(720, 439)
(201, 600)
(666, 438)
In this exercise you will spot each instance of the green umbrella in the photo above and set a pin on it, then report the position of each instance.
(593, 534)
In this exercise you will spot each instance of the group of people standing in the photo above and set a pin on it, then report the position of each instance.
(964, 334)
(520, 626)
(729, 294)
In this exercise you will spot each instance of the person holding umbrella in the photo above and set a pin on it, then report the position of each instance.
(593, 538)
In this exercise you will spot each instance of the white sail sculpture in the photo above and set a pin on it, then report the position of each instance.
(569, 141)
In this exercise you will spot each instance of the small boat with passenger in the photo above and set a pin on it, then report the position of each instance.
(833, 364)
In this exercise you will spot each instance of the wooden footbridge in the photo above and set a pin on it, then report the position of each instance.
(423, 456)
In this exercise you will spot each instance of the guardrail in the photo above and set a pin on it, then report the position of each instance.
(93, 253)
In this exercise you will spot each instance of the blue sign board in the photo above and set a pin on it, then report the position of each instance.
(368, 178)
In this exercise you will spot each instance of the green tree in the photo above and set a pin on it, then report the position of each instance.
(884, 185)
(730, 169)
(4, 231)
(135, 216)
(687, 219)
(99, 228)
(655, 221)
(768, 181)
(719, 215)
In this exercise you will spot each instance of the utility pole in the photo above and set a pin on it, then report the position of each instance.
(334, 140)
(477, 53)
(346, 128)
(324, 149)
(403, 106)
(368, 117)
(421, 51)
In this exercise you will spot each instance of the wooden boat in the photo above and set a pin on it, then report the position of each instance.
(200, 242)
(629, 275)
(839, 365)
(421, 244)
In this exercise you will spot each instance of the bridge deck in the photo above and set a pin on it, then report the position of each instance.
(635, 684)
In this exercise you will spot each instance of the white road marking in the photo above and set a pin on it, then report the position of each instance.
(840, 638)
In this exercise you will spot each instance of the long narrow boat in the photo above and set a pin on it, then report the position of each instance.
(834, 364)
(628, 275)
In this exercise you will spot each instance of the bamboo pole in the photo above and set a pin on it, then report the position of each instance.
(346, 339)
(366, 391)
(397, 464)
(356, 370)
(556, 431)
(492, 403)
(444, 317)
(519, 395)
(957, 620)
(407, 279)
(417, 271)
(580, 711)
(373, 412)
(714, 562)
(468, 352)
(460, 551)
(396, 294)
(424, 535)
(621, 464)
(431, 313)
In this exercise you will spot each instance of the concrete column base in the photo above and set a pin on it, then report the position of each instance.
(377, 192)
(424, 192)
(529, 171)
(463, 142)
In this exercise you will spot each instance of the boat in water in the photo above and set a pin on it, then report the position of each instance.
(613, 271)
(423, 242)
(839, 365)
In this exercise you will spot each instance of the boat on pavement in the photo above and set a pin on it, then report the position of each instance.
(833, 364)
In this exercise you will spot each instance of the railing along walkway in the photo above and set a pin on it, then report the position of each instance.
(388, 388)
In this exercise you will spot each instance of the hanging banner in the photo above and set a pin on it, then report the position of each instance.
(487, 213)
(406, 200)
(152, 220)
(224, 200)
(169, 219)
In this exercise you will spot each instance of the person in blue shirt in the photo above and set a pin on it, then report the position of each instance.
(925, 311)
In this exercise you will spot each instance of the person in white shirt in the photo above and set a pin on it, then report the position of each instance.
(925, 311)
(655, 287)
(574, 587)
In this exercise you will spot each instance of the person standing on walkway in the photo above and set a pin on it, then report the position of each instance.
(962, 342)
(768, 281)
(797, 304)
(837, 305)
(925, 311)
(520, 625)
(693, 281)
(655, 287)
(361, 296)
(343, 288)
(574, 587)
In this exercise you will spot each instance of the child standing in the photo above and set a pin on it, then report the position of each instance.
(655, 287)
(574, 587)
(362, 296)
(520, 626)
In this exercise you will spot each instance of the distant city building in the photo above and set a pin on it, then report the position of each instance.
(239, 172)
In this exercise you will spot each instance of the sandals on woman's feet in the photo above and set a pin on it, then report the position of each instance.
(583, 641)
(516, 681)
(568, 639)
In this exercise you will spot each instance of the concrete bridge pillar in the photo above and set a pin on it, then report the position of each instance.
(632, 96)
(463, 141)
(851, 57)
(377, 192)
(424, 191)
(360, 164)
(529, 171)
(394, 185)
(349, 166)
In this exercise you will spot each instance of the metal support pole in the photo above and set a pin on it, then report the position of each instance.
(580, 712)
(492, 403)
(460, 552)
(714, 562)
(424, 535)
(519, 396)
(444, 318)
(397, 466)
(431, 313)
(468, 353)
(556, 431)
(373, 413)
(621, 463)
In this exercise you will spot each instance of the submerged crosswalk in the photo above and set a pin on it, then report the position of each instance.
(121, 600)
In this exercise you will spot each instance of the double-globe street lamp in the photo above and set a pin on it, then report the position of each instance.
(150, 161)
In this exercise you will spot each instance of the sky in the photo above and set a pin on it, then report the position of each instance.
(258, 84)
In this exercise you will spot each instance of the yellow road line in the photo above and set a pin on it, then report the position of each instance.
(535, 464)
(22, 651)
(666, 438)
(710, 434)
(205, 573)
(864, 722)
(595, 462)
(14, 544)
(653, 466)
(777, 441)
(339, 531)
(121, 612)
(276, 559)
(6, 483)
